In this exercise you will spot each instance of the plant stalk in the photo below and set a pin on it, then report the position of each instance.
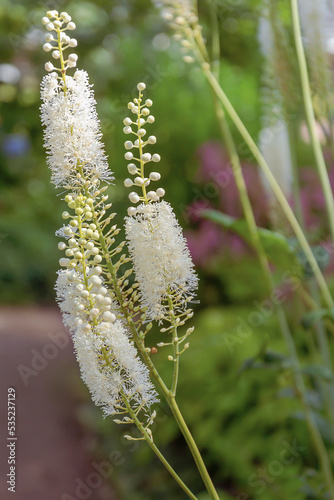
(310, 117)
(148, 438)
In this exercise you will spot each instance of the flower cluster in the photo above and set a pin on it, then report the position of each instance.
(107, 358)
(182, 18)
(59, 23)
(117, 379)
(159, 252)
(142, 118)
(162, 261)
(72, 131)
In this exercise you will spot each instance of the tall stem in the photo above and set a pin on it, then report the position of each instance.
(310, 117)
(272, 181)
(299, 381)
(250, 219)
(193, 447)
(150, 442)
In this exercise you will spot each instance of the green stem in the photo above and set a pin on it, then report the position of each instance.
(249, 215)
(193, 447)
(273, 183)
(312, 424)
(175, 341)
(149, 440)
(140, 148)
(307, 99)
(62, 63)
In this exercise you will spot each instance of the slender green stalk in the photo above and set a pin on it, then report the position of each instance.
(310, 117)
(193, 447)
(175, 342)
(148, 438)
(312, 425)
(250, 219)
(62, 62)
(273, 183)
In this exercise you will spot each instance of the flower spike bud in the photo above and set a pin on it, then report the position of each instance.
(55, 22)
(47, 47)
(182, 19)
(140, 107)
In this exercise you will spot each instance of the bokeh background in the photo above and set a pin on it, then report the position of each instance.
(242, 418)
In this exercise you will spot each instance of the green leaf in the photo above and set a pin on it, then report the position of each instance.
(266, 360)
(275, 245)
(319, 371)
(320, 254)
(313, 316)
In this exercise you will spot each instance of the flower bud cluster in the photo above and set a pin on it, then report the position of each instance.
(59, 23)
(83, 261)
(182, 18)
(142, 118)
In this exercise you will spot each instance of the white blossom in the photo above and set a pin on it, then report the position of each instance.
(108, 360)
(177, 12)
(72, 130)
(317, 22)
(274, 140)
(124, 375)
(161, 258)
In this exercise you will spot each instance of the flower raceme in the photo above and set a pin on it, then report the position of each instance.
(72, 131)
(109, 363)
(109, 316)
(108, 360)
(161, 259)
(182, 18)
(103, 311)
(162, 262)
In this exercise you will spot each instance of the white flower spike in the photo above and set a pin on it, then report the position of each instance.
(162, 262)
(117, 379)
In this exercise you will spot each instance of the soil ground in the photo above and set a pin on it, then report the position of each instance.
(51, 449)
